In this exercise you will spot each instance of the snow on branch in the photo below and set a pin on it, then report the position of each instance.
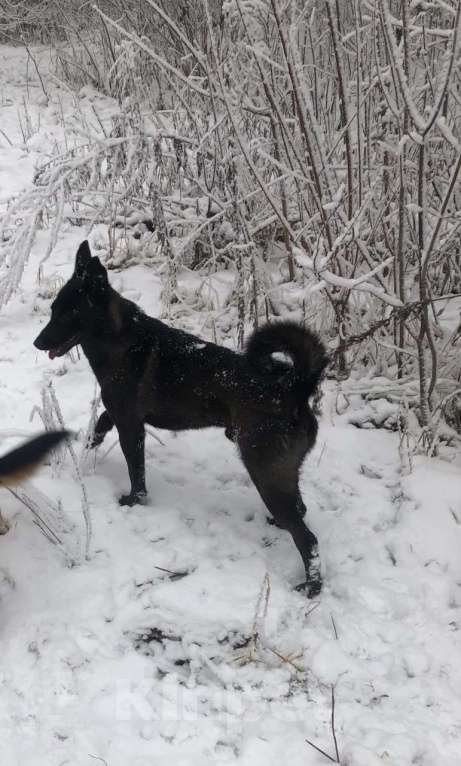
(360, 283)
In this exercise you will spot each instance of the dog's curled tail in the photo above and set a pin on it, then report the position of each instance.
(20, 463)
(303, 346)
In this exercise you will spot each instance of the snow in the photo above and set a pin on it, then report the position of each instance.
(193, 569)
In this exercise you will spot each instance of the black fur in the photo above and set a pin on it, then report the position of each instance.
(152, 373)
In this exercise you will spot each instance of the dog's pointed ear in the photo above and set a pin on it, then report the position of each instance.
(96, 280)
(96, 270)
(82, 259)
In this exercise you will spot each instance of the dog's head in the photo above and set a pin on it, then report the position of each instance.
(78, 307)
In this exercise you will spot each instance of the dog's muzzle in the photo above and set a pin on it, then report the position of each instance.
(56, 350)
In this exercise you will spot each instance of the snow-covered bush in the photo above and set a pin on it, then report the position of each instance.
(313, 149)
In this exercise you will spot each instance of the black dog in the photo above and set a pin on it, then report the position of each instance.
(152, 373)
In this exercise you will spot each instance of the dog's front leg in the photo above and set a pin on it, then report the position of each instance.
(132, 443)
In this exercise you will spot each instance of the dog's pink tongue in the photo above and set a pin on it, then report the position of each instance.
(52, 353)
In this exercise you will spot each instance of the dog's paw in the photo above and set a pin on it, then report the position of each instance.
(313, 584)
(311, 588)
(95, 441)
(134, 498)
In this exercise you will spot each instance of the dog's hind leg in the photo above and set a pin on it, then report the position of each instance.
(301, 508)
(103, 425)
(275, 475)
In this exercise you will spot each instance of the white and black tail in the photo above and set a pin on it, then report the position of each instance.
(303, 347)
(20, 463)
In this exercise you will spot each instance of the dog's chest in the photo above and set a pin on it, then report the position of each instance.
(123, 373)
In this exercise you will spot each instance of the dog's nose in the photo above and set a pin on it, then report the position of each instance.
(38, 343)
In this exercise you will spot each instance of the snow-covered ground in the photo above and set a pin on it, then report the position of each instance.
(146, 653)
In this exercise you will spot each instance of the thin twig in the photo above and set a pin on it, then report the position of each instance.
(333, 729)
(334, 626)
(319, 750)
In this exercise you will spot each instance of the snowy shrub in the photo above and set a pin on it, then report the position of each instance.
(313, 150)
